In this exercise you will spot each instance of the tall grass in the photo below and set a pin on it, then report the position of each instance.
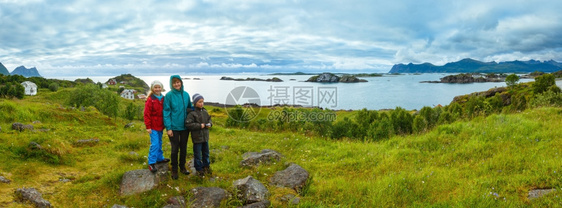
(489, 161)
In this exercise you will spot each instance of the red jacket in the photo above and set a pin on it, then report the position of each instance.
(153, 117)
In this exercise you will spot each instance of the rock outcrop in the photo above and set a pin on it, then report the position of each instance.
(33, 196)
(537, 193)
(250, 190)
(294, 177)
(274, 79)
(138, 181)
(4, 180)
(208, 196)
(21, 127)
(332, 78)
(253, 159)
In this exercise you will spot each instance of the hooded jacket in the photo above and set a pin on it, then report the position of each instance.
(193, 122)
(153, 118)
(176, 102)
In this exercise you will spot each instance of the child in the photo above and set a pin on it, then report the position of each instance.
(154, 125)
(199, 122)
(176, 103)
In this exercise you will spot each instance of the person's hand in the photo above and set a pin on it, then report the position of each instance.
(149, 130)
(170, 133)
(202, 126)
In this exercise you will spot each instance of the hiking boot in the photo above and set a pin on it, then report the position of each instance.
(175, 175)
(200, 174)
(152, 168)
(207, 170)
(165, 160)
(184, 171)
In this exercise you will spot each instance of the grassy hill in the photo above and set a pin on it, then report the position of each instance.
(490, 161)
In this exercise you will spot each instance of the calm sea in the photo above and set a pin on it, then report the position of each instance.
(386, 92)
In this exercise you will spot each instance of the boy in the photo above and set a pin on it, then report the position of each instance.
(198, 122)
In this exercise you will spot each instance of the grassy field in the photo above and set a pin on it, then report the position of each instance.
(486, 162)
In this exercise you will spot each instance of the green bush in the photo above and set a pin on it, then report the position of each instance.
(54, 87)
(543, 82)
(547, 99)
(105, 101)
(402, 121)
(381, 128)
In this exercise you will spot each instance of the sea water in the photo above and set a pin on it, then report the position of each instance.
(386, 92)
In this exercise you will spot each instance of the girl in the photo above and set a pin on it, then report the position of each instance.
(153, 119)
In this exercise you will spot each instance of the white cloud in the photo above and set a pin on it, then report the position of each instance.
(272, 35)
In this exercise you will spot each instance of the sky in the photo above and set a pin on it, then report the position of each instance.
(163, 37)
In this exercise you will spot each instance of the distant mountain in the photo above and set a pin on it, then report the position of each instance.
(21, 70)
(3, 69)
(473, 66)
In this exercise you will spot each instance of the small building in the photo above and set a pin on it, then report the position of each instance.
(142, 96)
(103, 86)
(128, 94)
(112, 82)
(30, 88)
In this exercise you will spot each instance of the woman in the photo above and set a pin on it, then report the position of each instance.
(176, 102)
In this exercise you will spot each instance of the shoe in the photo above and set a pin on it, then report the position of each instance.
(184, 171)
(165, 160)
(207, 170)
(152, 168)
(201, 174)
(174, 175)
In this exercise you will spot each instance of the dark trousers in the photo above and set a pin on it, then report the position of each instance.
(201, 155)
(179, 144)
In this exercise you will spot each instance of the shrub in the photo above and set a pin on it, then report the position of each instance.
(401, 121)
(420, 124)
(381, 128)
(547, 99)
(543, 82)
(54, 87)
(237, 117)
(105, 101)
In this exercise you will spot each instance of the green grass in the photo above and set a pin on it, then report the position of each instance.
(487, 162)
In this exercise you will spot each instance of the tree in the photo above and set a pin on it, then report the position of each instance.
(543, 82)
(511, 80)
(130, 112)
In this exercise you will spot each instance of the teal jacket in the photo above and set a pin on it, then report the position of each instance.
(176, 104)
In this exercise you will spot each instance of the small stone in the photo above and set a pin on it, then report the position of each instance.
(4, 180)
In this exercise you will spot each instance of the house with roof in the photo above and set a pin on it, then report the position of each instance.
(128, 94)
(30, 88)
(112, 82)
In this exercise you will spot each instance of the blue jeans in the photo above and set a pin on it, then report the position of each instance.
(155, 153)
(201, 155)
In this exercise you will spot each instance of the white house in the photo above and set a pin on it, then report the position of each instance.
(128, 94)
(30, 88)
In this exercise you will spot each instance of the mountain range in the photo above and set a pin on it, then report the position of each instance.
(3, 69)
(20, 70)
(473, 66)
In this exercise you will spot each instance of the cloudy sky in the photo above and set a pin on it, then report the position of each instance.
(146, 37)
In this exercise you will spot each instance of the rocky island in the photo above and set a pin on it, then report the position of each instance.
(274, 79)
(332, 78)
(470, 78)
